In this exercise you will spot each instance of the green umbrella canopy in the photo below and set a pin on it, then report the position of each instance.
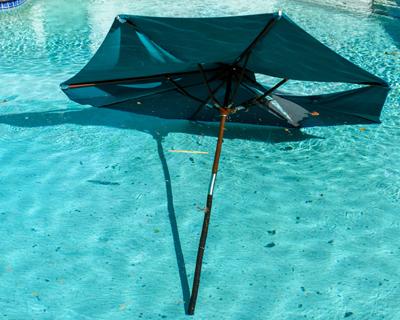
(150, 65)
(204, 69)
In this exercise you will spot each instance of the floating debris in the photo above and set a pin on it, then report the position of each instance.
(270, 245)
(271, 232)
(392, 53)
(35, 294)
(348, 314)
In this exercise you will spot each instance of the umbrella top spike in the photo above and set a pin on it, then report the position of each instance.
(120, 19)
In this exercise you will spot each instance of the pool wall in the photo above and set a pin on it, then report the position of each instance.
(385, 7)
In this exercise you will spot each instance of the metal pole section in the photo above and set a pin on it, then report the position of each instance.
(207, 213)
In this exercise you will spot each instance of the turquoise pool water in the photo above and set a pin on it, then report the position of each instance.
(306, 224)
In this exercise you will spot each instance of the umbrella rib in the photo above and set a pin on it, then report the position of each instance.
(269, 91)
(265, 105)
(240, 79)
(200, 107)
(260, 85)
(248, 88)
(186, 93)
(168, 90)
(182, 90)
(252, 80)
(263, 32)
(149, 95)
(320, 107)
(92, 84)
(171, 89)
(210, 93)
(247, 52)
(258, 98)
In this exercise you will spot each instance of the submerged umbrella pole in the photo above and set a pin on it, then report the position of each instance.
(207, 212)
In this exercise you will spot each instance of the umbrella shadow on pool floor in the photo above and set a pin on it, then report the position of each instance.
(151, 125)
(158, 128)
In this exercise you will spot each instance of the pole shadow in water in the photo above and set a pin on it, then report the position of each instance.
(180, 259)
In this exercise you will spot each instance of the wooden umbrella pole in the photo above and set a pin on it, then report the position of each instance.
(207, 212)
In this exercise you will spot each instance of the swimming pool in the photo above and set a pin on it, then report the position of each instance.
(87, 226)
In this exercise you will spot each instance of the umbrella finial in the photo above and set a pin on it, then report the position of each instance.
(120, 19)
(280, 13)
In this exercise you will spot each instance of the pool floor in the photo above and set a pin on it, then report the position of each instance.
(98, 220)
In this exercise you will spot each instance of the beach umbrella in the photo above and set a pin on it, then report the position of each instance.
(204, 69)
